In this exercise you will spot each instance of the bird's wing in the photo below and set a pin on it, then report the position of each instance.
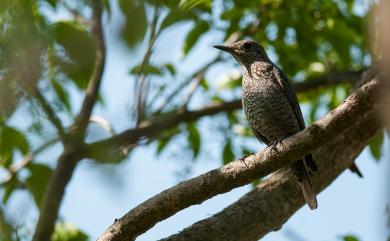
(290, 93)
(292, 98)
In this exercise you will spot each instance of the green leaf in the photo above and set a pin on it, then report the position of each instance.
(256, 182)
(68, 232)
(147, 69)
(171, 69)
(11, 139)
(227, 153)
(52, 3)
(204, 84)
(350, 238)
(107, 6)
(194, 138)
(37, 181)
(9, 188)
(79, 48)
(134, 28)
(193, 36)
(189, 4)
(376, 145)
(162, 143)
(175, 16)
(62, 94)
(6, 228)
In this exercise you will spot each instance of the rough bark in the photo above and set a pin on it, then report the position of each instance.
(274, 201)
(238, 173)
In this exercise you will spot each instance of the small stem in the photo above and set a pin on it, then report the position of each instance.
(50, 113)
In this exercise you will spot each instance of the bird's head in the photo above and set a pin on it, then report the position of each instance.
(245, 51)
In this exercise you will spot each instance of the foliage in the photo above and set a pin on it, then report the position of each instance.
(68, 232)
(350, 238)
(41, 52)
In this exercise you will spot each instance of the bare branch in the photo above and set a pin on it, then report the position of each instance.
(103, 123)
(82, 119)
(50, 113)
(53, 194)
(112, 148)
(68, 160)
(202, 71)
(241, 172)
(329, 79)
(140, 82)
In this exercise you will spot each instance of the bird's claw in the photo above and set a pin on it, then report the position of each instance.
(274, 145)
(242, 159)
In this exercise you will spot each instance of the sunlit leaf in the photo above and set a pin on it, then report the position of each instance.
(189, 4)
(68, 232)
(350, 238)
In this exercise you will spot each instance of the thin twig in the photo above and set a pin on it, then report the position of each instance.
(139, 83)
(50, 113)
(198, 75)
(192, 88)
(12, 170)
(157, 125)
(82, 119)
(186, 82)
(76, 14)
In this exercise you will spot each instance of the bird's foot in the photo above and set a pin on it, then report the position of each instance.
(242, 159)
(274, 144)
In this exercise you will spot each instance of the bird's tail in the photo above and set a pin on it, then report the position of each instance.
(300, 171)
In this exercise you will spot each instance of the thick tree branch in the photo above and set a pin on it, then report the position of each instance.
(92, 91)
(275, 200)
(111, 148)
(239, 173)
(53, 194)
(328, 80)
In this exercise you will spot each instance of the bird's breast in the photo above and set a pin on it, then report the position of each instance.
(267, 108)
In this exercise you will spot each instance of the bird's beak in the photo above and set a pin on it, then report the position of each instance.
(224, 48)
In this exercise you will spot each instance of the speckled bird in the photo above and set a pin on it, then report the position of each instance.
(271, 105)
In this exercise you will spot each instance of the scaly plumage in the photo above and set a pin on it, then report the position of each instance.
(271, 106)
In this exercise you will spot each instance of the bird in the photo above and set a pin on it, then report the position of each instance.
(271, 106)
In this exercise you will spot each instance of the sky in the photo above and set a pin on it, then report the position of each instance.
(98, 194)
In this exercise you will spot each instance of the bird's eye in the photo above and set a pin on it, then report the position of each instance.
(247, 46)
